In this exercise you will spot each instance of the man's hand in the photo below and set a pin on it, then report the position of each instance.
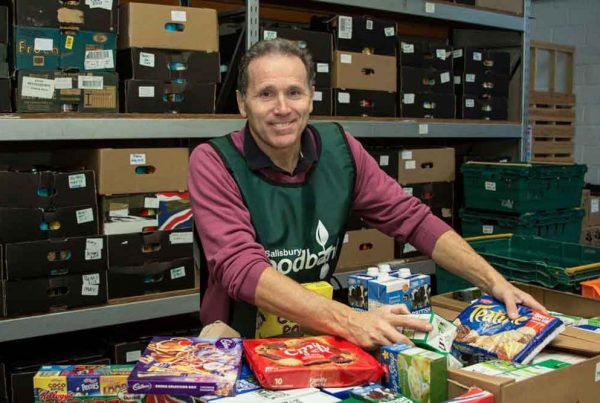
(373, 329)
(511, 296)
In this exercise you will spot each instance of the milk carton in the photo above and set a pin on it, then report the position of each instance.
(419, 291)
(387, 290)
(358, 289)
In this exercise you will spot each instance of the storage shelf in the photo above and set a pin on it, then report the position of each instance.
(57, 127)
(88, 318)
(443, 11)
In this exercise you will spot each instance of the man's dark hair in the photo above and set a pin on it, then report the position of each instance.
(277, 46)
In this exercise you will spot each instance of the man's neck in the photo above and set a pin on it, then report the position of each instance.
(286, 159)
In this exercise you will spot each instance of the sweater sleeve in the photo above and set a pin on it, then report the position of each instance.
(235, 260)
(382, 203)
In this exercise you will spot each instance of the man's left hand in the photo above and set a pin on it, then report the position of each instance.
(511, 296)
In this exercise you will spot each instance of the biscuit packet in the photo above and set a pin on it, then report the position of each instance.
(484, 331)
(319, 361)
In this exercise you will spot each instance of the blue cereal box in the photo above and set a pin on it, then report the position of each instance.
(387, 290)
(484, 330)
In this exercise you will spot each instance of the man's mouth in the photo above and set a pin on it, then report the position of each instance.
(281, 125)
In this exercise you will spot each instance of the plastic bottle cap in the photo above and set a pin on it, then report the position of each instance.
(384, 268)
(373, 271)
(404, 272)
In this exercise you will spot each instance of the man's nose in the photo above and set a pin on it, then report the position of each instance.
(282, 106)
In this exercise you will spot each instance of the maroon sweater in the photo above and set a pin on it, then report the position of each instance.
(236, 261)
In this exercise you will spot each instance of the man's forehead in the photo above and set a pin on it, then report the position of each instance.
(276, 65)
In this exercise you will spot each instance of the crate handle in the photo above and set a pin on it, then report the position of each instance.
(486, 237)
(504, 164)
(584, 267)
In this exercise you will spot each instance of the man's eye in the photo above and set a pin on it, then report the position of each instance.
(295, 93)
(265, 94)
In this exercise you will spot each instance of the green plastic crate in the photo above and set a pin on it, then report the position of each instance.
(558, 225)
(522, 188)
(530, 259)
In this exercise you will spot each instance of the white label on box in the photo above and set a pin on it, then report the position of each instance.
(408, 191)
(597, 373)
(409, 248)
(133, 356)
(147, 59)
(457, 54)
(151, 202)
(137, 159)
(90, 289)
(384, 160)
(346, 238)
(389, 31)
(94, 244)
(43, 44)
(490, 186)
(369, 25)
(37, 88)
(90, 82)
(446, 212)
(91, 278)
(178, 16)
(411, 164)
(487, 229)
(181, 237)
(77, 181)
(408, 48)
(177, 272)
(408, 99)
(594, 205)
(322, 67)
(423, 128)
(469, 103)
(63, 83)
(92, 255)
(445, 77)
(122, 212)
(146, 91)
(269, 35)
(406, 155)
(98, 59)
(345, 58)
(470, 78)
(477, 56)
(457, 80)
(85, 215)
(344, 27)
(105, 4)
(344, 97)
(429, 8)
(440, 54)
(318, 96)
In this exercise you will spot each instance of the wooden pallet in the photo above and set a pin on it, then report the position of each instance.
(551, 109)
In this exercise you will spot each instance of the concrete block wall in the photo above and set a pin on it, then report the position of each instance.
(577, 23)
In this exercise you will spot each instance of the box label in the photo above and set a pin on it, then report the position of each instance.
(440, 54)
(457, 80)
(105, 4)
(90, 82)
(477, 56)
(147, 59)
(151, 202)
(318, 96)
(457, 54)
(408, 48)
(384, 160)
(445, 77)
(469, 103)
(268, 35)
(90, 289)
(91, 279)
(408, 248)
(346, 238)
(69, 41)
(369, 25)
(118, 212)
(594, 205)
(77, 181)
(412, 164)
(322, 67)
(487, 229)
(597, 373)
(429, 8)
(177, 272)
(490, 186)
(98, 59)
(389, 31)
(408, 191)
(85, 215)
(43, 44)
(146, 91)
(181, 237)
(137, 159)
(37, 88)
(423, 128)
(178, 16)
(344, 27)
(345, 58)
(133, 356)
(470, 78)
(63, 83)
(344, 97)
(94, 244)
(408, 99)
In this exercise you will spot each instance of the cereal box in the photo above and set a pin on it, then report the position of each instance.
(187, 366)
(439, 339)
(485, 330)
(320, 361)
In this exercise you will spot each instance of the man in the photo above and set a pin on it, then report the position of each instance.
(270, 204)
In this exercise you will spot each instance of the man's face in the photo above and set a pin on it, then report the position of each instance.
(278, 101)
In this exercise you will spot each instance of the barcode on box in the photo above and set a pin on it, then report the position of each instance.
(90, 83)
(344, 27)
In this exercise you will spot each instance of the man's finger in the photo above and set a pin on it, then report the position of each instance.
(416, 324)
(399, 309)
(531, 302)
(511, 307)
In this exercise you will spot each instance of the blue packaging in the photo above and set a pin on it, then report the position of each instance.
(420, 293)
(358, 291)
(389, 359)
(387, 290)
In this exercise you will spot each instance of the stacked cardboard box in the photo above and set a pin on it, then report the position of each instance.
(590, 226)
(52, 256)
(5, 105)
(425, 78)
(169, 58)
(65, 55)
(481, 81)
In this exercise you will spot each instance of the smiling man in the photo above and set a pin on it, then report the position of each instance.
(271, 201)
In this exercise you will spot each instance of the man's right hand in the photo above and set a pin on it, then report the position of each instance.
(373, 329)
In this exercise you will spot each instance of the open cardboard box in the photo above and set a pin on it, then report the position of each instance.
(577, 383)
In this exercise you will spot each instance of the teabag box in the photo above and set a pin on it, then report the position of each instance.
(358, 289)
(387, 290)
(419, 293)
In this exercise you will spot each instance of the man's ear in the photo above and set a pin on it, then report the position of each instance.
(241, 104)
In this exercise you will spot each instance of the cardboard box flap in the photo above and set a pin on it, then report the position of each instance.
(490, 383)
(563, 302)
(447, 314)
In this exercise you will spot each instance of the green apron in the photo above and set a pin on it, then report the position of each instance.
(301, 226)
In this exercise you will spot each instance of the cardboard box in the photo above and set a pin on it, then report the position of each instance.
(47, 189)
(574, 383)
(92, 16)
(363, 248)
(127, 352)
(483, 84)
(165, 27)
(159, 246)
(426, 165)
(54, 293)
(591, 204)
(439, 196)
(146, 96)
(145, 212)
(590, 235)
(55, 257)
(359, 71)
(322, 105)
(510, 6)
(422, 105)
(364, 103)
(3, 25)
(473, 107)
(49, 49)
(363, 34)
(423, 52)
(138, 170)
(81, 92)
(5, 95)
(168, 65)
(414, 80)
(387, 159)
(478, 60)
(318, 43)
(32, 224)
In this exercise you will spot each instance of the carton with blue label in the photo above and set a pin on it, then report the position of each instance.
(419, 293)
(387, 290)
(358, 289)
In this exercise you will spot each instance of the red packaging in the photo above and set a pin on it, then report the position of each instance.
(320, 361)
(474, 395)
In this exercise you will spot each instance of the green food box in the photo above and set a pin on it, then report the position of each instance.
(439, 339)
